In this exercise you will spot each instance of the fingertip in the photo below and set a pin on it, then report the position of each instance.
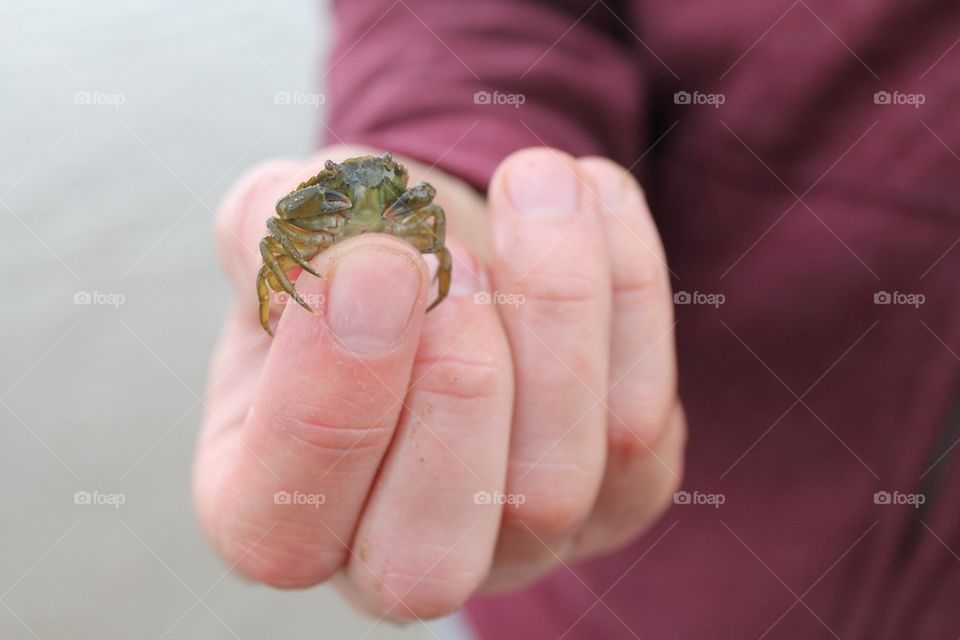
(617, 188)
(533, 155)
(534, 178)
(628, 220)
(371, 295)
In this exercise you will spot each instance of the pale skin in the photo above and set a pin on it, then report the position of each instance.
(564, 394)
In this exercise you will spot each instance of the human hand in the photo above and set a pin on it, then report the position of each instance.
(374, 444)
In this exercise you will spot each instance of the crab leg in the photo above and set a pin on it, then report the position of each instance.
(429, 239)
(285, 233)
(416, 197)
(416, 222)
(444, 275)
(444, 258)
(313, 238)
(264, 279)
(263, 297)
(267, 249)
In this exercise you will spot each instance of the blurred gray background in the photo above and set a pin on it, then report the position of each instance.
(121, 126)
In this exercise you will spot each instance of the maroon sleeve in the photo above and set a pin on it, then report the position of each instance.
(462, 84)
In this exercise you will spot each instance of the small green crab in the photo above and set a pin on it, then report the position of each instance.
(359, 195)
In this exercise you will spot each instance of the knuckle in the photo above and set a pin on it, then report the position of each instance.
(637, 423)
(456, 377)
(642, 281)
(560, 286)
(412, 595)
(281, 559)
(556, 516)
(333, 434)
(636, 495)
(562, 509)
(560, 295)
(660, 475)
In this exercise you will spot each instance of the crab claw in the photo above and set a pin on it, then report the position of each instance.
(311, 201)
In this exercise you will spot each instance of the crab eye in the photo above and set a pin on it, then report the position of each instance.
(330, 165)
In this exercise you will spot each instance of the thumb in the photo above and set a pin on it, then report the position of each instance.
(329, 397)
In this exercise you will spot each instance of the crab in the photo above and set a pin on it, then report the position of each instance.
(359, 195)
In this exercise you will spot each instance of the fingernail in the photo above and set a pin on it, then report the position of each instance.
(543, 185)
(372, 297)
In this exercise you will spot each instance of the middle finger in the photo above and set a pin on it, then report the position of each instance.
(428, 530)
(552, 282)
